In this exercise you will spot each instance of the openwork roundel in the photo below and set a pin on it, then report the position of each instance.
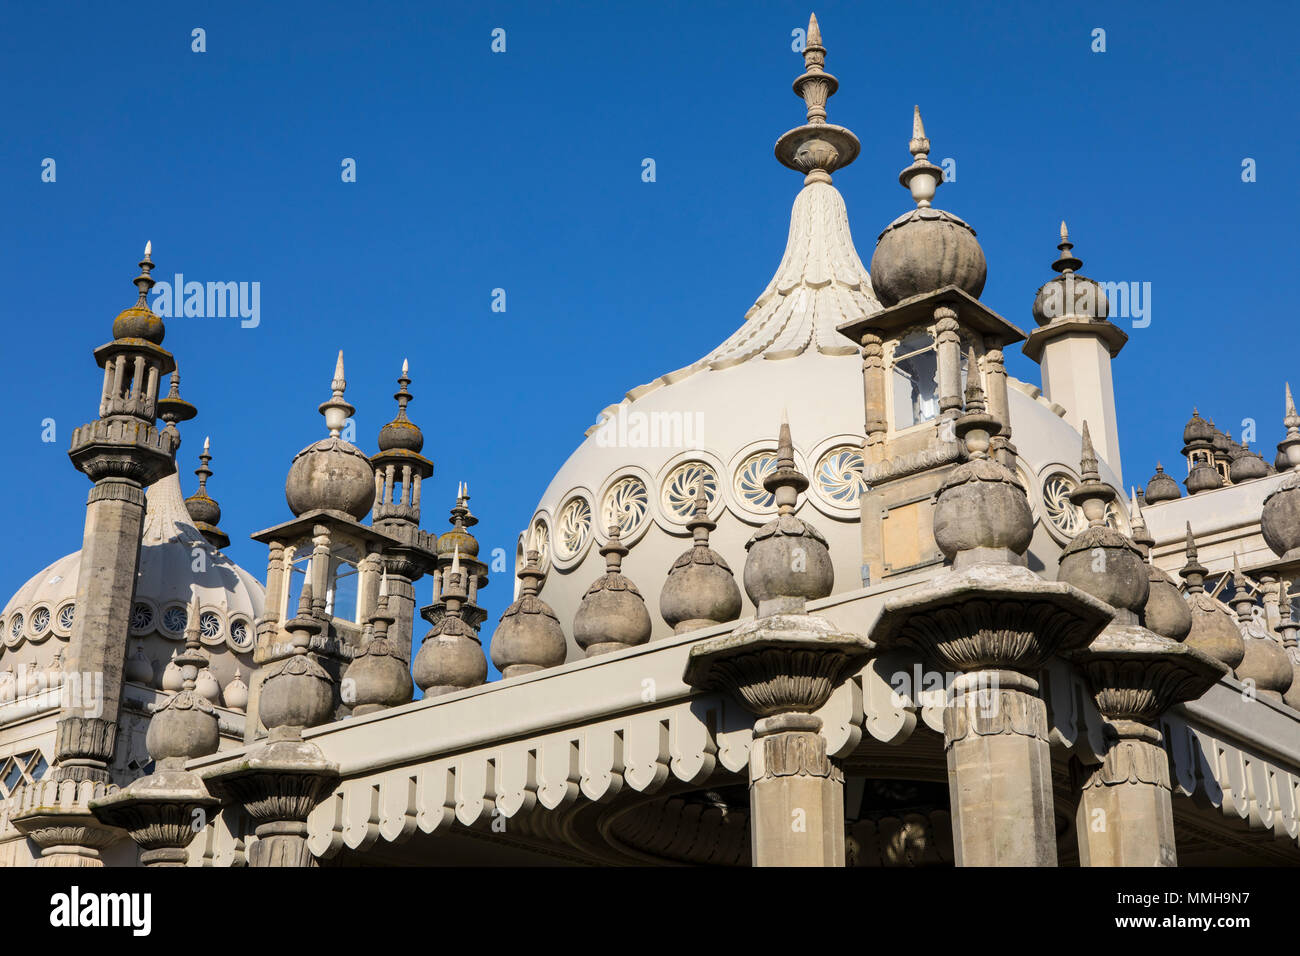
(239, 633)
(16, 626)
(209, 624)
(67, 614)
(541, 540)
(141, 618)
(626, 502)
(175, 619)
(839, 475)
(749, 480)
(40, 620)
(683, 484)
(1066, 516)
(572, 528)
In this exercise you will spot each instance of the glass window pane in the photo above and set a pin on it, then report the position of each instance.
(915, 389)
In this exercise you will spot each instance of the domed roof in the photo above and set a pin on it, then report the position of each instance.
(332, 474)
(925, 249)
(1198, 429)
(1069, 294)
(138, 321)
(401, 433)
(176, 562)
(1161, 487)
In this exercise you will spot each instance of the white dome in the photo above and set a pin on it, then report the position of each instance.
(722, 413)
(175, 562)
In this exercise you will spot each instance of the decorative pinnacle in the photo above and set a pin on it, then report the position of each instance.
(614, 549)
(1242, 600)
(815, 86)
(1138, 525)
(336, 410)
(974, 392)
(530, 575)
(700, 525)
(144, 281)
(975, 427)
(1193, 572)
(403, 394)
(204, 471)
(1290, 445)
(191, 659)
(171, 407)
(1091, 495)
(922, 178)
(1065, 262)
(786, 482)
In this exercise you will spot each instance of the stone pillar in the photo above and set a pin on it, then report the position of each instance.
(873, 384)
(796, 795)
(995, 377)
(948, 344)
(999, 770)
(1125, 815)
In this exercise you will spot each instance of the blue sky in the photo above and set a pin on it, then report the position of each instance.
(522, 170)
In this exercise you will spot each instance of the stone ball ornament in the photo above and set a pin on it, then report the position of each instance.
(923, 251)
(330, 475)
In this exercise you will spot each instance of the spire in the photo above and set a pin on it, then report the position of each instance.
(336, 410)
(1290, 445)
(1091, 495)
(1138, 525)
(921, 178)
(401, 433)
(144, 281)
(786, 482)
(172, 408)
(202, 507)
(816, 148)
(975, 402)
(1066, 263)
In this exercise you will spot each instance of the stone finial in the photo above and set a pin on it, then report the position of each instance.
(202, 507)
(1101, 560)
(1288, 628)
(1265, 665)
(1138, 525)
(336, 410)
(451, 657)
(172, 408)
(612, 615)
(981, 514)
(297, 692)
(377, 678)
(1280, 518)
(700, 589)
(922, 178)
(1161, 487)
(235, 694)
(184, 725)
(1067, 262)
(528, 637)
(401, 433)
(787, 562)
(816, 148)
(1214, 631)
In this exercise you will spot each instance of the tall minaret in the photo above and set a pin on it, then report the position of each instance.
(1074, 344)
(122, 452)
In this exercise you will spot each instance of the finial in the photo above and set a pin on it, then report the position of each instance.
(700, 525)
(614, 548)
(206, 443)
(403, 393)
(455, 559)
(816, 85)
(383, 585)
(204, 471)
(171, 407)
(1066, 263)
(975, 402)
(786, 481)
(336, 410)
(919, 145)
(814, 32)
(817, 148)
(1088, 457)
(1291, 419)
(922, 178)
(144, 281)
(1138, 525)
(1193, 572)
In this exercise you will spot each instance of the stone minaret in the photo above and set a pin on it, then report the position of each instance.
(202, 507)
(400, 471)
(122, 452)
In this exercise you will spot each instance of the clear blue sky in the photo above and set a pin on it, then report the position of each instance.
(522, 171)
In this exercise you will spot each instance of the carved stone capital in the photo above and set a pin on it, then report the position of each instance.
(162, 813)
(792, 754)
(778, 664)
(1134, 755)
(1136, 674)
(988, 703)
(83, 748)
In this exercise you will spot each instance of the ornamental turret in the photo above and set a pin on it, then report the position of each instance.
(202, 507)
(1075, 344)
(400, 472)
(1199, 449)
(1161, 487)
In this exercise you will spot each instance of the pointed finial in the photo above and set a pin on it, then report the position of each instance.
(614, 548)
(922, 178)
(383, 584)
(337, 411)
(171, 407)
(1066, 262)
(406, 368)
(1193, 572)
(700, 525)
(1138, 525)
(1088, 457)
(919, 145)
(455, 559)
(814, 31)
(786, 481)
(817, 148)
(148, 249)
(207, 443)
(975, 403)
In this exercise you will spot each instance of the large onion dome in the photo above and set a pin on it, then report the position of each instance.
(402, 433)
(926, 249)
(332, 474)
(1198, 430)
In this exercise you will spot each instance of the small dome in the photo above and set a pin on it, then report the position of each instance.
(529, 636)
(612, 614)
(924, 250)
(1247, 466)
(1107, 565)
(331, 474)
(1161, 487)
(1203, 477)
(235, 694)
(138, 668)
(138, 322)
(700, 590)
(203, 508)
(450, 658)
(1198, 430)
(401, 434)
(1222, 444)
(982, 505)
(1166, 612)
(1071, 294)
(1280, 519)
(1266, 663)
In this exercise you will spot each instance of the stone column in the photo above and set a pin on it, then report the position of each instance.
(873, 384)
(1125, 815)
(948, 344)
(995, 376)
